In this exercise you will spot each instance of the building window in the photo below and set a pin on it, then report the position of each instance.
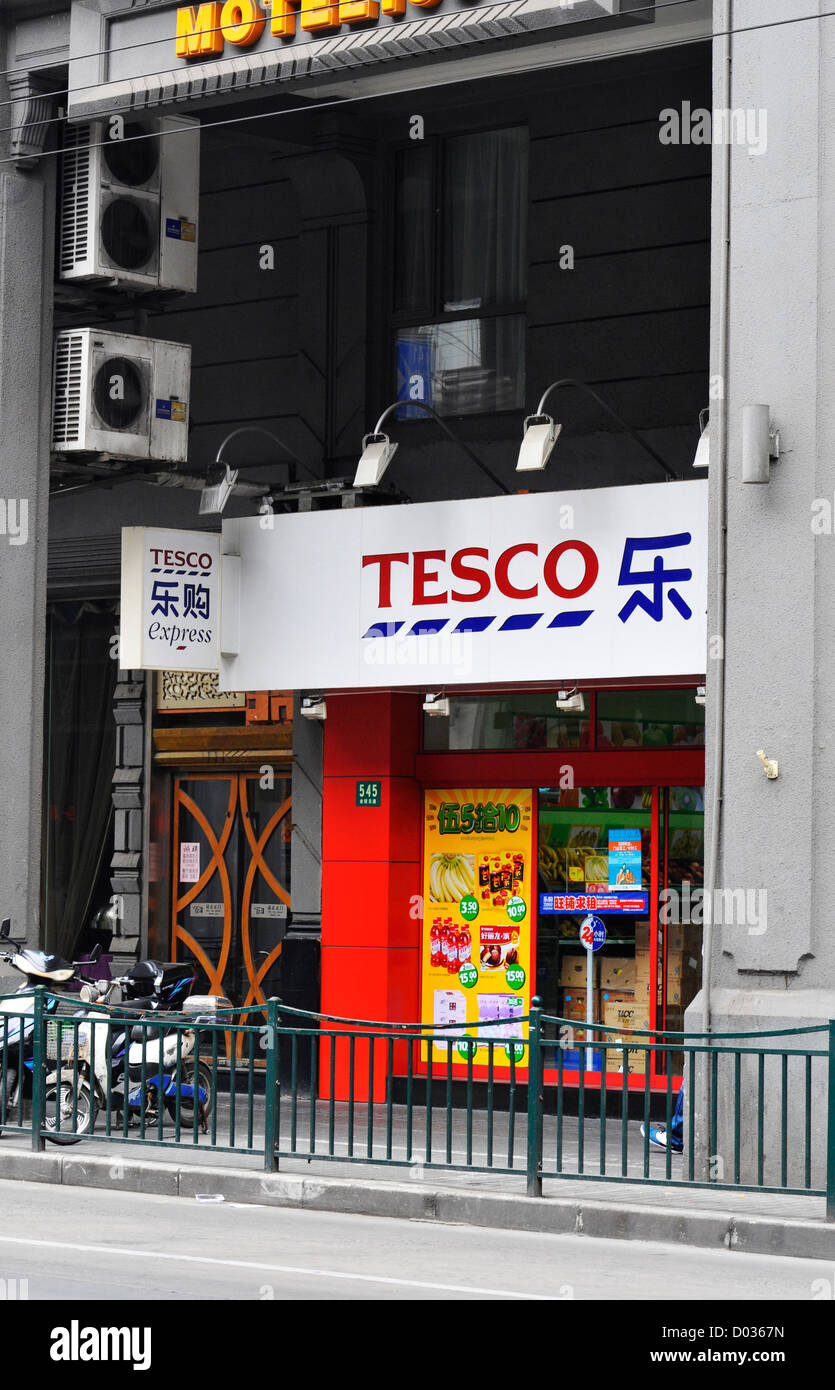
(461, 272)
(613, 720)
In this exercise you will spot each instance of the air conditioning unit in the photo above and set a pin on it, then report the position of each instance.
(129, 206)
(121, 396)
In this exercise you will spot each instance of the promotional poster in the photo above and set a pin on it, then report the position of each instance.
(476, 953)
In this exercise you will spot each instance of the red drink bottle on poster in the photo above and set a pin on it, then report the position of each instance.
(464, 946)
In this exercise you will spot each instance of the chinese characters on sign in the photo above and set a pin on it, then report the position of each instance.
(167, 599)
(189, 861)
(657, 577)
(568, 903)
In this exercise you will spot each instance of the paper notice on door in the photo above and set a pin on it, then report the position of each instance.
(189, 861)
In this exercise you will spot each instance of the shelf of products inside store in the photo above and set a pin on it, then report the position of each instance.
(621, 993)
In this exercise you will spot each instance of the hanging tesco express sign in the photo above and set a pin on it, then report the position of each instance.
(599, 584)
(170, 600)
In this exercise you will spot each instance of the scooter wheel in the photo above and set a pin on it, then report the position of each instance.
(204, 1082)
(77, 1113)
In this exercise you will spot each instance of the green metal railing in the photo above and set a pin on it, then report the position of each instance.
(283, 1083)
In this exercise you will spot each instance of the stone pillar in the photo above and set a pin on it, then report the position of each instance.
(129, 809)
(26, 270)
(773, 958)
(301, 952)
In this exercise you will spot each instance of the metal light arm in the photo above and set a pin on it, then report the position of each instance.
(604, 404)
(259, 429)
(421, 405)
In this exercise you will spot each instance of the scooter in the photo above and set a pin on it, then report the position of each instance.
(137, 1066)
(17, 1030)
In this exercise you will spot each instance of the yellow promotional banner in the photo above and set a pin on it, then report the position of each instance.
(479, 891)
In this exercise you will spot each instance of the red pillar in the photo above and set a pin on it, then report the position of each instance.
(370, 872)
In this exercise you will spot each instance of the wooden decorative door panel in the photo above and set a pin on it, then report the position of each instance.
(231, 877)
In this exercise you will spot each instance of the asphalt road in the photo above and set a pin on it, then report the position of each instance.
(79, 1244)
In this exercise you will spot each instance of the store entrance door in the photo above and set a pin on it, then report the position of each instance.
(231, 877)
(633, 856)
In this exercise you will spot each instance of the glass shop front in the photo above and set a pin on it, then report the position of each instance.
(609, 788)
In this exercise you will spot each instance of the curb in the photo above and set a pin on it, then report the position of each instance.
(710, 1230)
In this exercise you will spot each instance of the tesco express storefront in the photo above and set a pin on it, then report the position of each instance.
(513, 740)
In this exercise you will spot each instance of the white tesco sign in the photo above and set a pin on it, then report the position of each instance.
(592, 585)
(170, 608)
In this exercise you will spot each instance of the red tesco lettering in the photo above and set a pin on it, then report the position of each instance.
(181, 558)
(429, 584)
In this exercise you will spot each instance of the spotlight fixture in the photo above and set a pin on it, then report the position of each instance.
(571, 702)
(540, 435)
(542, 432)
(437, 706)
(314, 708)
(378, 450)
(701, 694)
(220, 484)
(702, 458)
(222, 481)
(377, 453)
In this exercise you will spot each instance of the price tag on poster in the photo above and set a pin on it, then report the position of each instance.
(476, 952)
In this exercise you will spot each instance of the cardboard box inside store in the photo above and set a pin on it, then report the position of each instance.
(680, 964)
(684, 938)
(682, 993)
(574, 1003)
(617, 972)
(620, 1013)
(618, 996)
(573, 1008)
(573, 971)
(636, 1059)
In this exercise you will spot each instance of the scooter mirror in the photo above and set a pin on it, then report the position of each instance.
(6, 927)
(90, 960)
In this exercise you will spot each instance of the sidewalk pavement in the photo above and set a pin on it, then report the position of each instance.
(752, 1223)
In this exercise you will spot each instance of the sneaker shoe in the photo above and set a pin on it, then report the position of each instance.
(658, 1138)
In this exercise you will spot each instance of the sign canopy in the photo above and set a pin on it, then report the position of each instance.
(600, 584)
(129, 54)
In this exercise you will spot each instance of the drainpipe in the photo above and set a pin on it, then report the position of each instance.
(718, 478)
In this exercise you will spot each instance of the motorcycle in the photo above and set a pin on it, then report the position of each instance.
(17, 1029)
(139, 1066)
